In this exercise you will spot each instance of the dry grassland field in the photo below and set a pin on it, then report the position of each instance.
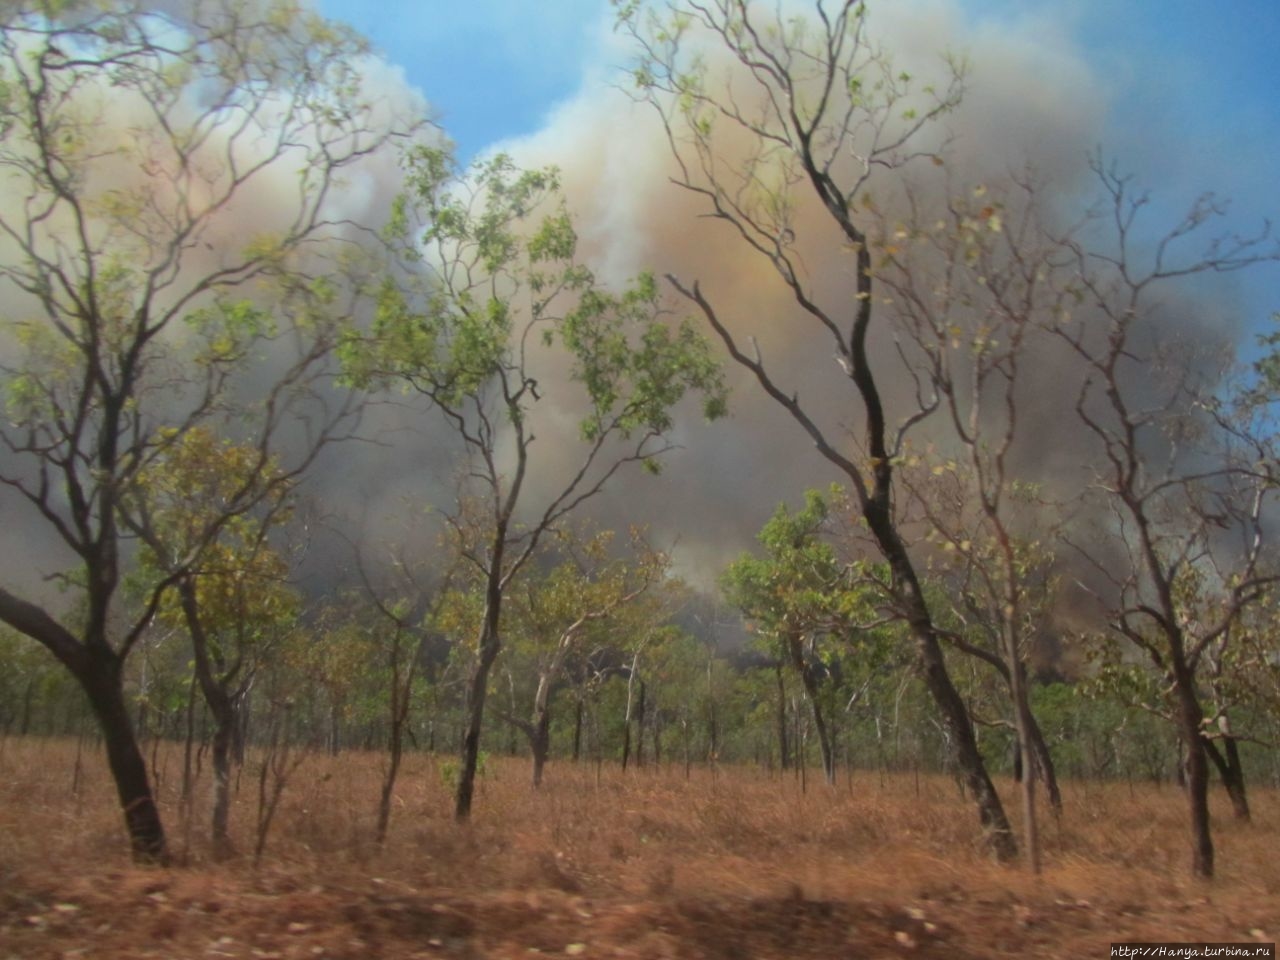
(726, 864)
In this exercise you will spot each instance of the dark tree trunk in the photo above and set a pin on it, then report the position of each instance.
(824, 736)
(540, 744)
(933, 669)
(1190, 717)
(1232, 773)
(1045, 768)
(490, 644)
(224, 723)
(389, 781)
(102, 682)
(578, 710)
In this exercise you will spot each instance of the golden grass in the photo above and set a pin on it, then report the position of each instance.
(729, 863)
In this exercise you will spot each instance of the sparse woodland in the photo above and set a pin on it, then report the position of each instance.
(1031, 628)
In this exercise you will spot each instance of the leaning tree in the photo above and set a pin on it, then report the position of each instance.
(789, 132)
(169, 177)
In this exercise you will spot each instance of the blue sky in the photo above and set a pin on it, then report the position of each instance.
(1193, 89)
(493, 68)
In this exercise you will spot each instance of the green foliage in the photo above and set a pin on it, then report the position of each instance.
(1266, 387)
(799, 586)
(499, 250)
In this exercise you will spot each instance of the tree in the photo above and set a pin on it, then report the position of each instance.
(408, 612)
(825, 118)
(1184, 478)
(235, 600)
(801, 598)
(551, 616)
(970, 290)
(489, 298)
(134, 142)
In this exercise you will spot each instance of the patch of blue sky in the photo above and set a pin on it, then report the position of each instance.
(1193, 88)
(492, 69)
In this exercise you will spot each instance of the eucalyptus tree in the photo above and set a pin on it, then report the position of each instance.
(486, 313)
(158, 162)
(810, 116)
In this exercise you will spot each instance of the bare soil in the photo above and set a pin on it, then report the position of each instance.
(731, 863)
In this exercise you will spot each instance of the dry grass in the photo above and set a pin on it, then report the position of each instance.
(602, 864)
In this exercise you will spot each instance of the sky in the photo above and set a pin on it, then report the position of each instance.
(1192, 90)
(494, 69)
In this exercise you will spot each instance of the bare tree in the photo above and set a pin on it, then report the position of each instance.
(970, 292)
(1186, 485)
(812, 113)
(407, 609)
(135, 142)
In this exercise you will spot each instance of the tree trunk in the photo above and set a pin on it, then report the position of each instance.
(490, 644)
(578, 710)
(1190, 716)
(389, 781)
(933, 669)
(1026, 755)
(1045, 768)
(784, 756)
(640, 711)
(540, 743)
(824, 738)
(213, 685)
(222, 735)
(1232, 773)
(810, 680)
(102, 683)
(188, 750)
